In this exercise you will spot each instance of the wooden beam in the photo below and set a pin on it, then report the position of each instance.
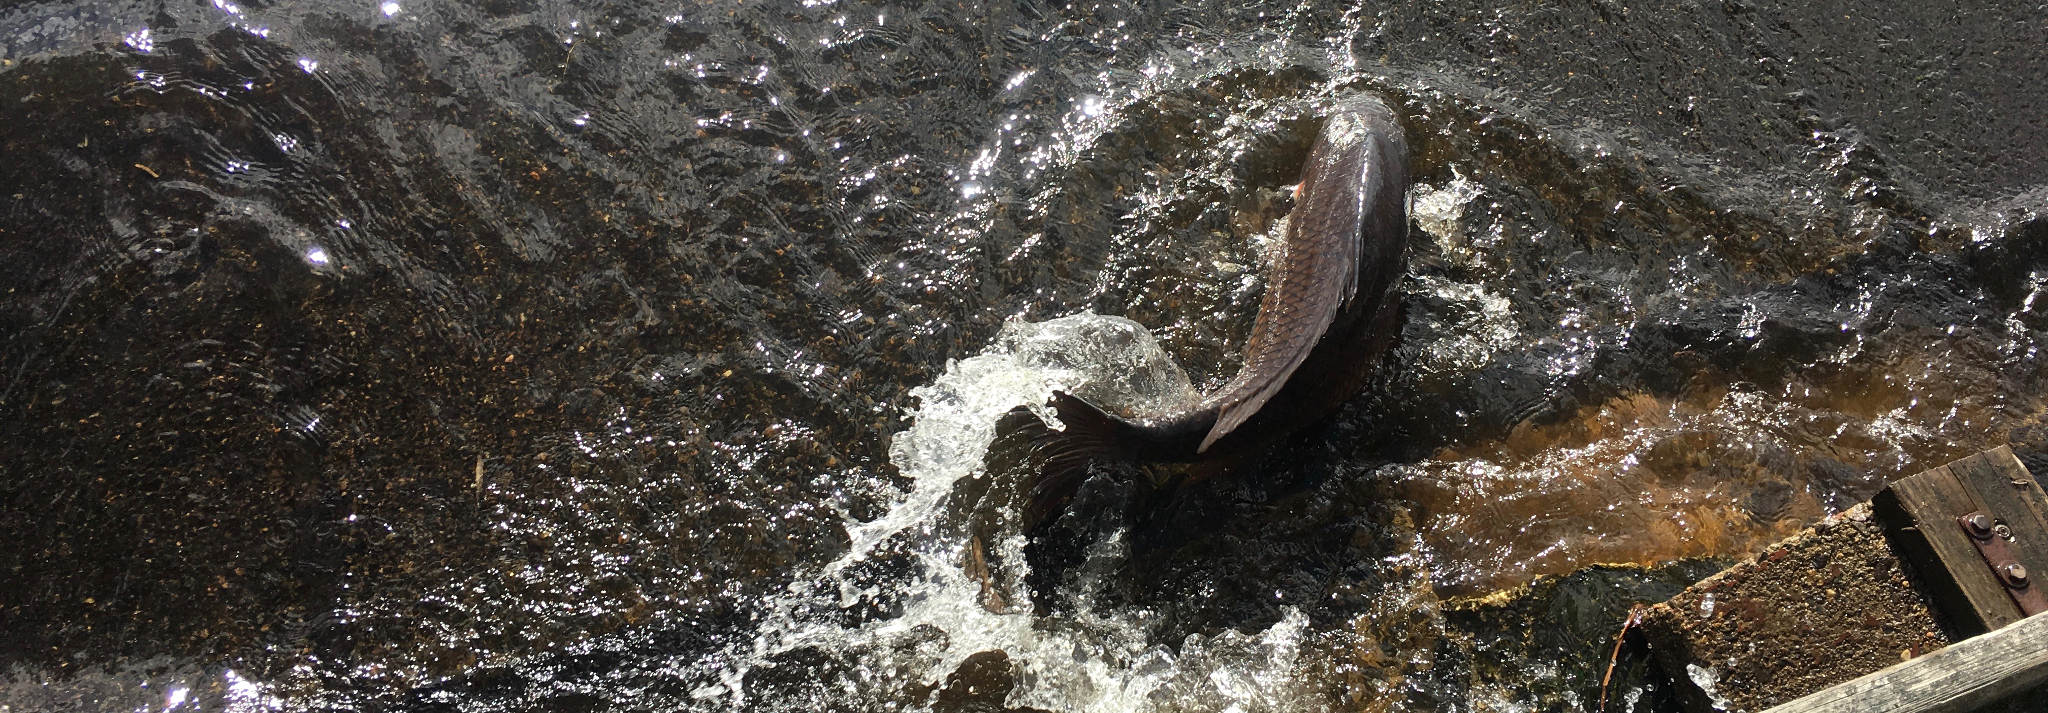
(1921, 514)
(1963, 677)
(2012, 496)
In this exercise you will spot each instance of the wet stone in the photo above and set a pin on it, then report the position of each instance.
(1821, 607)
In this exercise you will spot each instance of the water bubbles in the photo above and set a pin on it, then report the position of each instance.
(317, 255)
(308, 64)
(1440, 210)
(389, 8)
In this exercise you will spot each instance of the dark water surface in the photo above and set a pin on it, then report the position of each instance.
(537, 355)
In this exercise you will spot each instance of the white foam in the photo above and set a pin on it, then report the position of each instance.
(1075, 659)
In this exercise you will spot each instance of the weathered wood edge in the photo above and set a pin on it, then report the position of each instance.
(1963, 677)
(1917, 556)
(2011, 494)
(1917, 511)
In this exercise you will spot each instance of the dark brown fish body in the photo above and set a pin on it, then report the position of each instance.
(1330, 311)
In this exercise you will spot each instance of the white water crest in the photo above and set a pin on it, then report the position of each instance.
(1072, 658)
(1107, 359)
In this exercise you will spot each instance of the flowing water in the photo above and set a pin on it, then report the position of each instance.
(544, 355)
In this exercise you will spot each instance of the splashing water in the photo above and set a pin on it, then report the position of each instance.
(1078, 659)
(1108, 358)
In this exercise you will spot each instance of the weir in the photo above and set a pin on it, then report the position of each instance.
(1925, 598)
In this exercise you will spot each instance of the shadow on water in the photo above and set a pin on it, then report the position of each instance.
(542, 355)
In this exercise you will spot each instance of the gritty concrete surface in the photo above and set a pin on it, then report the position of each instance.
(1821, 607)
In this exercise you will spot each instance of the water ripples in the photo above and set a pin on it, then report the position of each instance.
(526, 353)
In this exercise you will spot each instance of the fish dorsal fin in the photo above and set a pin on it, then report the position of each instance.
(1315, 274)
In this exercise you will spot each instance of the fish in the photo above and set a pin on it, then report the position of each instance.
(1330, 311)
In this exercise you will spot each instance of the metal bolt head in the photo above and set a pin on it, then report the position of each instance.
(2016, 573)
(1979, 524)
(2002, 531)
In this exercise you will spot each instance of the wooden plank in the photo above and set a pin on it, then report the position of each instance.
(2011, 496)
(1922, 512)
(1963, 677)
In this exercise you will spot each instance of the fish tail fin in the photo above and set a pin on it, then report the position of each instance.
(1060, 460)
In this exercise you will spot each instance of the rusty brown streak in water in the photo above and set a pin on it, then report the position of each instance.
(1722, 469)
